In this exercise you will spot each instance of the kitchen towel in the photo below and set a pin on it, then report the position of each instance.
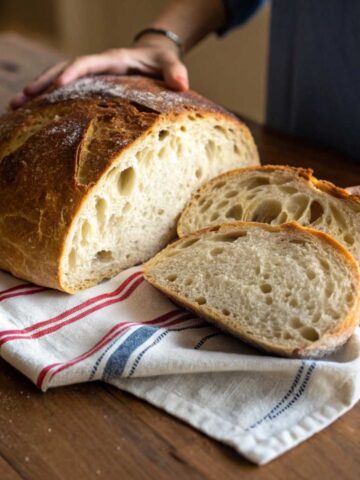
(126, 333)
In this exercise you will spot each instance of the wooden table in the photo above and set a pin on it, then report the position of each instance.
(96, 431)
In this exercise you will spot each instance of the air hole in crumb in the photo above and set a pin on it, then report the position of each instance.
(235, 212)
(349, 298)
(257, 182)
(281, 178)
(85, 231)
(163, 134)
(283, 217)
(214, 216)
(218, 185)
(339, 217)
(126, 181)
(126, 207)
(309, 333)
(297, 205)
(161, 211)
(200, 300)
(210, 150)
(111, 172)
(287, 189)
(162, 152)
(206, 206)
(72, 259)
(188, 281)
(223, 204)
(325, 265)
(316, 211)
(257, 270)
(231, 194)
(225, 312)
(297, 241)
(216, 251)
(294, 303)
(199, 173)
(172, 277)
(236, 149)
(288, 336)
(349, 239)
(229, 237)
(100, 207)
(329, 290)
(267, 211)
(269, 300)
(104, 256)
(295, 322)
(188, 243)
(266, 287)
(220, 128)
(183, 128)
(310, 274)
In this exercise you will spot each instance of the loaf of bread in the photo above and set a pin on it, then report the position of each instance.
(275, 194)
(288, 290)
(93, 175)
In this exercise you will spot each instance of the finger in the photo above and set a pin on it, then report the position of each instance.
(175, 74)
(18, 101)
(103, 63)
(355, 190)
(44, 80)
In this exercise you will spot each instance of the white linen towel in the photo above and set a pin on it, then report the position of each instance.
(128, 334)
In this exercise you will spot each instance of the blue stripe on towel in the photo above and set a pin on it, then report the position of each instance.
(205, 339)
(277, 410)
(158, 339)
(103, 353)
(117, 361)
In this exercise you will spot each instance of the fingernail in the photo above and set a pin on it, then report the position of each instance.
(183, 81)
(59, 82)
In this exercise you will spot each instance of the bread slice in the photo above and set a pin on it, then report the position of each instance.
(275, 194)
(94, 175)
(288, 290)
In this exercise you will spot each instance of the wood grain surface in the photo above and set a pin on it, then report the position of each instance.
(94, 431)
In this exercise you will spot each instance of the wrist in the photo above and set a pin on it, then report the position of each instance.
(159, 40)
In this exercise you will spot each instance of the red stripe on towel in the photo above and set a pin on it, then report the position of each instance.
(56, 327)
(108, 337)
(65, 314)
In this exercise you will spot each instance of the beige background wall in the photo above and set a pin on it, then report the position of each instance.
(230, 70)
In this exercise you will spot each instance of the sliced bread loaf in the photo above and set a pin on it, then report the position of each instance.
(275, 194)
(93, 175)
(289, 290)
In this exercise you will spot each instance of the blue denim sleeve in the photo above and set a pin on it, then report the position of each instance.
(238, 12)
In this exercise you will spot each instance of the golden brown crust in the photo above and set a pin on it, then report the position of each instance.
(54, 151)
(303, 173)
(329, 342)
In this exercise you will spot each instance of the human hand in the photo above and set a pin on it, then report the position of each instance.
(151, 55)
(355, 190)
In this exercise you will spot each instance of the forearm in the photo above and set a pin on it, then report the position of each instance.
(192, 20)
